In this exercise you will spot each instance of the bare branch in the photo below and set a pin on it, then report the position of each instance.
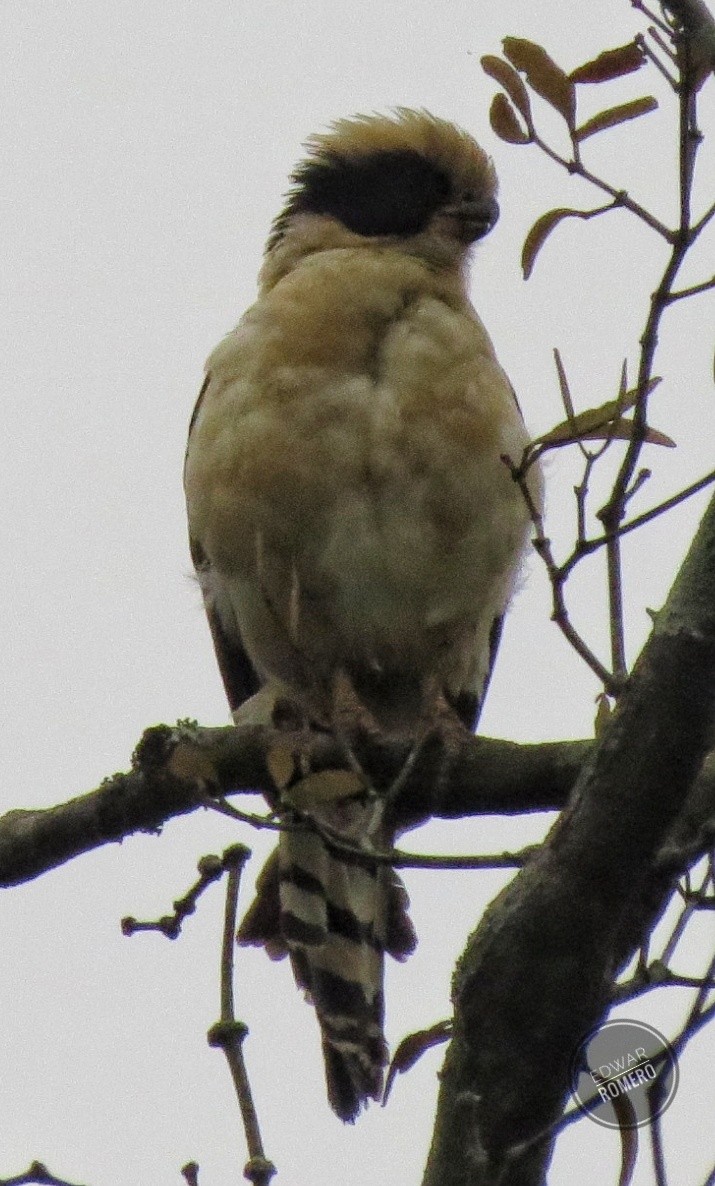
(589, 545)
(694, 290)
(229, 1034)
(704, 220)
(653, 57)
(557, 575)
(540, 942)
(39, 1174)
(613, 511)
(620, 197)
(615, 605)
(651, 16)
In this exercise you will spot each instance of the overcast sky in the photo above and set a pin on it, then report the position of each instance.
(145, 148)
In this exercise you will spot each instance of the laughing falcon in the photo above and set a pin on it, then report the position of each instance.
(351, 516)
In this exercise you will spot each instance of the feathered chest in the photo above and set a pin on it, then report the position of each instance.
(349, 447)
(355, 384)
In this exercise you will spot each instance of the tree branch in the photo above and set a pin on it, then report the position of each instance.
(229, 1034)
(538, 972)
(176, 770)
(182, 769)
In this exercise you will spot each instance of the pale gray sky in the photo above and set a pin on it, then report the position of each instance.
(146, 146)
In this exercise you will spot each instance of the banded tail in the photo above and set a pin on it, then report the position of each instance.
(336, 914)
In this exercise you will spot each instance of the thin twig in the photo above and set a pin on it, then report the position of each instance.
(651, 16)
(210, 869)
(640, 984)
(656, 973)
(614, 574)
(694, 290)
(581, 495)
(590, 545)
(662, 43)
(620, 197)
(39, 1174)
(269, 822)
(704, 220)
(626, 482)
(394, 856)
(689, 907)
(557, 576)
(653, 57)
(629, 478)
(656, 1138)
(229, 1034)
(615, 607)
(503, 860)
(699, 1014)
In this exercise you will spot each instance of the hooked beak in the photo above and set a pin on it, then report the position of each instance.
(474, 219)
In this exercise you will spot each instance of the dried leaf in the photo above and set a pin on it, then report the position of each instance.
(654, 436)
(543, 227)
(281, 764)
(595, 418)
(623, 385)
(503, 119)
(564, 386)
(582, 424)
(543, 75)
(324, 786)
(612, 63)
(616, 115)
(599, 424)
(412, 1048)
(539, 233)
(507, 76)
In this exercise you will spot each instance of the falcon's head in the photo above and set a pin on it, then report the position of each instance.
(407, 177)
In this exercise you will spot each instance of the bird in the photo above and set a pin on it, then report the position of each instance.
(352, 521)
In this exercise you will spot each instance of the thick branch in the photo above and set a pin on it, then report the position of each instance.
(537, 974)
(175, 770)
